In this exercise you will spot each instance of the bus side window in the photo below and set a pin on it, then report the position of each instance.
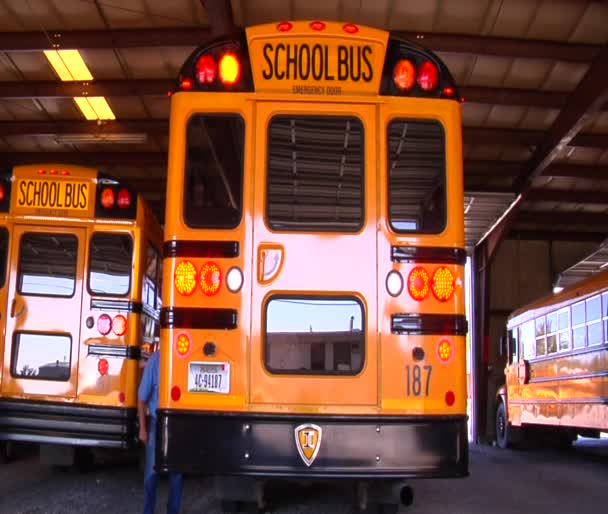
(528, 341)
(151, 293)
(3, 254)
(513, 345)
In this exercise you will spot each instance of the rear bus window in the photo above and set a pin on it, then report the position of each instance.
(110, 261)
(315, 173)
(416, 176)
(314, 336)
(213, 189)
(41, 356)
(3, 254)
(47, 264)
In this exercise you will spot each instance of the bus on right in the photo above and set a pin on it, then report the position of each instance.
(556, 374)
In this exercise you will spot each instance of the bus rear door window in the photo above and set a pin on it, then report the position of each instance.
(47, 264)
(41, 356)
(416, 176)
(110, 264)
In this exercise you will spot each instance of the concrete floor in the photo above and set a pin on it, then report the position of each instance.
(501, 482)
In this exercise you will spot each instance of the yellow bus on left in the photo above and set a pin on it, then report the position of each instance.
(79, 305)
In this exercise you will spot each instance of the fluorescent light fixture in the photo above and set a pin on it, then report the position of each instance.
(68, 64)
(101, 138)
(94, 108)
(557, 289)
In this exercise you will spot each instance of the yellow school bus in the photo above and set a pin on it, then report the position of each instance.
(80, 296)
(556, 375)
(313, 303)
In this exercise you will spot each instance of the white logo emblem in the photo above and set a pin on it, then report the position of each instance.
(308, 441)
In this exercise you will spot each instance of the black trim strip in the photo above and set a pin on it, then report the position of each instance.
(127, 352)
(196, 317)
(117, 305)
(427, 324)
(225, 249)
(431, 254)
(596, 400)
(577, 376)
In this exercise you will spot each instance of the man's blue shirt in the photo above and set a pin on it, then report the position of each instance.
(148, 388)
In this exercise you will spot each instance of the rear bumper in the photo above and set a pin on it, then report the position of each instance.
(66, 423)
(351, 446)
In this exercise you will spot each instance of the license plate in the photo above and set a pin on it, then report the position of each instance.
(52, 194)
(209, 377)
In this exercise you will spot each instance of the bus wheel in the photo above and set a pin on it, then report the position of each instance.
(502, 426)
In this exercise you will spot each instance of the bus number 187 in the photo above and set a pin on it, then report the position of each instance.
(418, 380)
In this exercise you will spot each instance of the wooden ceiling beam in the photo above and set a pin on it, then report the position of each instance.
(551, 235)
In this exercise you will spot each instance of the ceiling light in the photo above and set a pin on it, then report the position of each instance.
(68, 64)
(135, 138)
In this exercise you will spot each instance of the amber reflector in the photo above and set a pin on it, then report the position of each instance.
(107, 198)
(418, 283)
(182, 344)
(185, 278)
(102, 366)
(230, 69)
(210, 278)
(444, 350)
(404, 75)
(443, 284)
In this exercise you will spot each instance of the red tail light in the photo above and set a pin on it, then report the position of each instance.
(41, 172)
(230, 69)
(206, 69)
(53, 172)
(443, 284)
(103, 366)
(121, 397)
(186, 84)
(450, 398)
(350, 28)
(418, 283)
(428, 76)
(104, 324)
(124, 199)
(210, 278)
(185, 278)
(65, 172)
(176, 393)
(317, 25)
(119, 325)
(448, 91)
(1, 193)
(404, 75)
(107, 198)
(284, 26)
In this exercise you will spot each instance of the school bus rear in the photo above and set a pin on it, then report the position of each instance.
(313, 321)
(71, 347)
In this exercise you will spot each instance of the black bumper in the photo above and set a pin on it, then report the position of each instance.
(351, 446)
(61, 423)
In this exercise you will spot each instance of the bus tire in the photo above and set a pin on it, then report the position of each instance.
(502, 426)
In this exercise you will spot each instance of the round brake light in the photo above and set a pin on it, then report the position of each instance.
(404, 75)
(107, 198)
(230, 69)
(185, 278)
(1, 192)
(104, 324)
(103, 366)
(176, 393)
(124, 198)
(428, 76)
(210, 278)
(443, 284)
(206, 69)
(418, 283)
(119, 325)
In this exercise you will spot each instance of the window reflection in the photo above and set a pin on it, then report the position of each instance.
(110, 264)
(42, 356)
(47, 264)
(318, 336)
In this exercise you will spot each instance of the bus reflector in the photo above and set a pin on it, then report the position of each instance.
(450, 398)
(53, 172)
(404, 75)
(182, 345)
(107, 198)
(124, 198)
(176, 393)
(41, 172)
(1, 193)
(317, 25)
(65, 172)
(443, 284)
(186, 84)
(210, 278)
(284, 26)
(427, 76)
(234, 280)
(418, 283)
(206, 69)
(394, 283)
(119, 325)
(104, 324)
(230, 69)
(185, 278)
(444, 350)
(350, 28)
(121, 397)
(448, 91)
(102, 366)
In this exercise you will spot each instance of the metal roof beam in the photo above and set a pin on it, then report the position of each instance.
(557, 218)
(549, 235)
(567, 196)
(147, 160)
